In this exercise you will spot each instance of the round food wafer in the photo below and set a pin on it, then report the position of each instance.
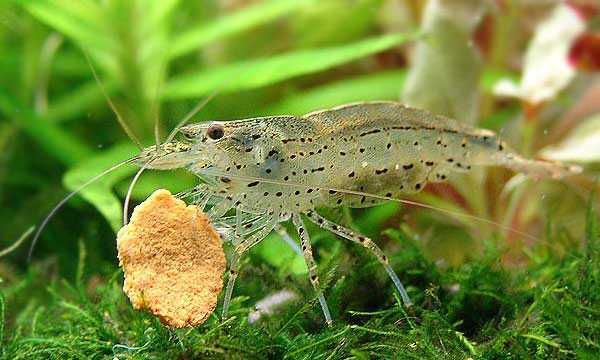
(172, 259)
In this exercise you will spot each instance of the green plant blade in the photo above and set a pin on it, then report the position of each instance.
(78, 20)
(159, 10)
(380, 86)
(61, 145)
(78, 101)
(261, 72)
(174, 180)
(228, 25)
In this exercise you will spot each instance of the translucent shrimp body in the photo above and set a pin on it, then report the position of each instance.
(275, 168)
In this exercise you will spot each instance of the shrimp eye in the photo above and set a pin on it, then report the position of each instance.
(215, 131)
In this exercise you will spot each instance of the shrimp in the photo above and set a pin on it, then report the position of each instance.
(273, 169)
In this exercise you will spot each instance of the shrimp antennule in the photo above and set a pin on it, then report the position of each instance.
(130, 190)
(122, 122)
(201, 104)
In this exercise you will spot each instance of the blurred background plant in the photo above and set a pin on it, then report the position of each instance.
(527, 69)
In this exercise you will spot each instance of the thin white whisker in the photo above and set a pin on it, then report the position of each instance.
(17, 243)
(189, 115)
(156, 105)
(68, 197)
(130, 190)
(122, 122)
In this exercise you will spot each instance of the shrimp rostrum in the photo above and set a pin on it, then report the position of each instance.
(273, 169)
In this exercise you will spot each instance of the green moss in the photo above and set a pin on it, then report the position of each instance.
(549, 309)
(469, 303)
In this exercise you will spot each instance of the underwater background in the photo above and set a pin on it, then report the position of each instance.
(525, 69)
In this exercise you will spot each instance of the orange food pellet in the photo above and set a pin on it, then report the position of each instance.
(172, 259)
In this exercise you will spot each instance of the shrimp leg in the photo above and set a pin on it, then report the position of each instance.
(251, 226)
(311, 264)
(366, 243)
(200, 195)
(239, 249)
(234, 266)
(219, 210)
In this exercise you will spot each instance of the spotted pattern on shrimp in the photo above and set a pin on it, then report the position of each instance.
(275, 168)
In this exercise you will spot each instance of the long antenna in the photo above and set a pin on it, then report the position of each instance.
(156, 105)
(122, 122)
(156, 132)
(17, 243)
(130, 190)
(67, 198)
(191, 114)
(197, 108)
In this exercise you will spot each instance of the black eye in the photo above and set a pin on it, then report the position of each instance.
(215, 131)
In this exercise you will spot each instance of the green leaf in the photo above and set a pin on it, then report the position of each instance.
(78, 20)
(173, 180)
(261, 72)
(78, 101)
(237, 22)
(384, 85)
(100, 29)
(349, 23)
(69, 63)
(158, 11)
(100, 193)
(56, 142)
